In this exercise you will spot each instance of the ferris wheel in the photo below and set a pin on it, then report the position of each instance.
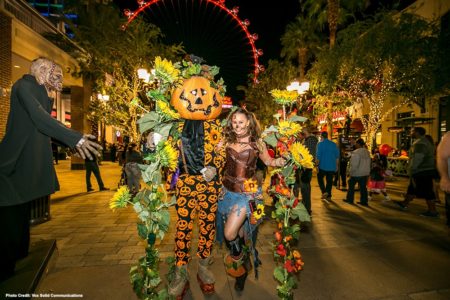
(206, 25)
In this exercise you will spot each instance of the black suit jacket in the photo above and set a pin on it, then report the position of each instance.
(26, 164)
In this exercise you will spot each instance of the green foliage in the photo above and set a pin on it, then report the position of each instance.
(257, 97)
(111, 57)
(287, 209)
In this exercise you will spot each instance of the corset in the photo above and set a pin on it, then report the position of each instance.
(239, 167)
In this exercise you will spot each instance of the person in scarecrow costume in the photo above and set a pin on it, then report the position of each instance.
(198, 183)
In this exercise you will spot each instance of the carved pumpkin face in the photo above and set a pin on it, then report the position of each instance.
(197, 100)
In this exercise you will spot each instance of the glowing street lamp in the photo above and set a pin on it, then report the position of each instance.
(102, 97)
(143, 74)
(301, 88)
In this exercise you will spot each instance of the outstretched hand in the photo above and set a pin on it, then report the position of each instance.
(86, 148)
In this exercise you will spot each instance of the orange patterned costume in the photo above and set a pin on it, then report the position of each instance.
(196, 195)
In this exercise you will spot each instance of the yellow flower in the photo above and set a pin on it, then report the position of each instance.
(166, 110)
(250, 186)
(214, 136)
(284, 97)
(259, 212)
(120, 198)
(168, 156)
(165, 70)
(289, 129)
(301, 156)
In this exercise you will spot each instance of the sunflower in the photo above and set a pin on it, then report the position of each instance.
(168, 156)
(289, 129)
(301, 156)
(166, 71)
(284, 97)
(259, 212)
(250, 186)
(166, 110)
(120, 198)
(214, 136)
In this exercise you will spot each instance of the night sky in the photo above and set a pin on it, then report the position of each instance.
(208, 32)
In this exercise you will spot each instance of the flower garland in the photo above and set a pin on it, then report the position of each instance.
(288, 208)
(150, 204)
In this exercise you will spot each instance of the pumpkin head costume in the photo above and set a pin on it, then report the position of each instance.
(199, 183)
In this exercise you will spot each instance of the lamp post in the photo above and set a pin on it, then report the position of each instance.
(103, 99)
(301, 88)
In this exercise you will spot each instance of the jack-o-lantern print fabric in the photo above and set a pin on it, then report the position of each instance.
(197, 196)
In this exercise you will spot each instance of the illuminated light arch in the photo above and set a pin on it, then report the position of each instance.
(131, 15)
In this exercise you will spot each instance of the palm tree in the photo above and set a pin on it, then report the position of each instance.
(300, 41)
(332, 13)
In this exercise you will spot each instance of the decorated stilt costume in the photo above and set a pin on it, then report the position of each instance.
(199, 183)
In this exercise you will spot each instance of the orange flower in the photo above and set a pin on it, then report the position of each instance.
(296, 254)
(278, 236)
(250, 186)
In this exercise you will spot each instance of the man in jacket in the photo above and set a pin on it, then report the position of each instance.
(421, 169)
(26, 163)
(327, 160)
(310, 143)
(360, 162)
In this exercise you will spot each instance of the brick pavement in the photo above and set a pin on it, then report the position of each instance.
(350, 251)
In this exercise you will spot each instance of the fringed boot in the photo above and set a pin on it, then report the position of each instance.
(236, 262)
(205, 277)
(179, 285)
(240, 281)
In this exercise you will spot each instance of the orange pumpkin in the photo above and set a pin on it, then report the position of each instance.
(182, 224)
(183, 212)
(197, 100)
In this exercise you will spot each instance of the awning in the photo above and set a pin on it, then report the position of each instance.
(396, 129)
(413, 120)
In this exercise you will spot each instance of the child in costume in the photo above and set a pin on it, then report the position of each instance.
(377, 183)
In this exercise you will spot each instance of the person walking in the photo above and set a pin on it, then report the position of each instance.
(360, 162)
(443, 164)
(92, 167)
(132, 159)
(55, 152)
(377, 182)
(327, 161)
(310, 142)
(421, 170)
(242, 197)
(113, 152)
(26, 156)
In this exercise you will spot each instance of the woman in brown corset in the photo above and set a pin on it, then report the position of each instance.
(244, 145)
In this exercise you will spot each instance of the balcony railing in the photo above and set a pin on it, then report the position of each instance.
(21, 10)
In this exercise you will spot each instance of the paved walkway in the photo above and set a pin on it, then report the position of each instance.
(350, 252)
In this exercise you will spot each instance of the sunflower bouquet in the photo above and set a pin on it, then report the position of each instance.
(151, 204)
(288, 208)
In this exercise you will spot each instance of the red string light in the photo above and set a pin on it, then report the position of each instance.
(233, 13)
